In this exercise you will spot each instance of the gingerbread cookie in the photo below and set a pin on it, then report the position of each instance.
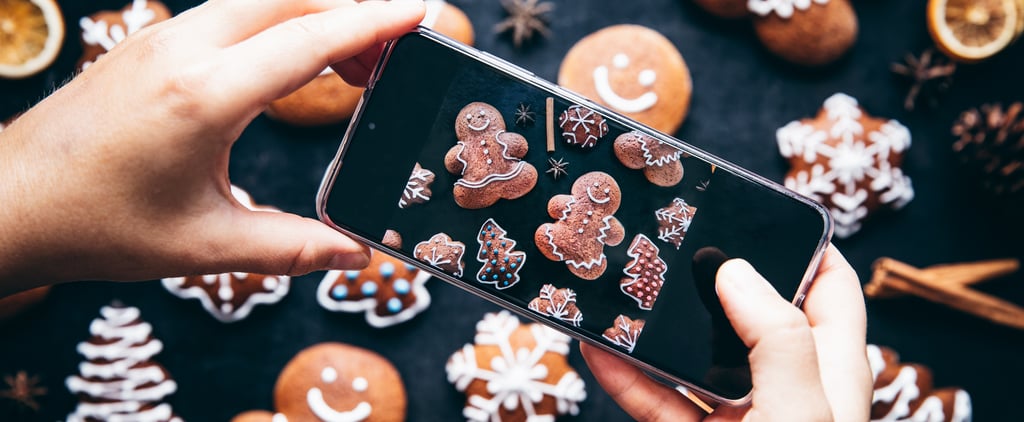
(488, 159)
(903, 392)
(848, 161)
(443, 253)
(392, 239)
(501, 263)
(582, 126)
(585, 224)
(325, 100)
(805, 32)
(230, 297)
(728, 9)
(624, 332)
(515, 372)
(104, 30)
(645, 273)
(557, 303)
(633, 70)
(674, 221)
(17, 303)
(417, 189)
(119, 381)
(659, 161)
(335, 382)
(388, 290)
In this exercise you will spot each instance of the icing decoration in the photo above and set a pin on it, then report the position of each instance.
(624, 332)
(783, 8)
(604, 88)
(582, 126)
(645, 274)
(850, 167)
(230, 297)
(523, 377)
(119, 381)
(417, 189)
(501, 263)
(99, 33)
(903, 392)
(323, 411)
(443, 253)
(557, 303)
(674, 221)
(658, 160)
(388, 291)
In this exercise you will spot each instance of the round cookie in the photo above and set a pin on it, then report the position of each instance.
(809, 33)
(254, 416)
(449, 20)
(633, 70)
(104, 30)
(659, 161)
(729, 9)
(19, 302)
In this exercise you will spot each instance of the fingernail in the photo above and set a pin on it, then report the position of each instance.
(349, 261)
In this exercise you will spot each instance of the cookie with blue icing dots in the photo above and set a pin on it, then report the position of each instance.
(388, 290)
(501, 262)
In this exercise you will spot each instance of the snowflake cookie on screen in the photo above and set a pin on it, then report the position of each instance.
(230, 297)
(118, 380)
(674, 221)
(625, 332)
(515, 372)
(443, 253)
(848, 161)
(557, 303)
(104, 30)
(388, 290)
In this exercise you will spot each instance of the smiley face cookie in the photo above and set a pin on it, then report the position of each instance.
(585, 224)
(388, 291)
(633, 70)
(488, 159)
(659, 161)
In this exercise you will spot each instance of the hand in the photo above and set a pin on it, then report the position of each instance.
(805, 366)
(122, 174)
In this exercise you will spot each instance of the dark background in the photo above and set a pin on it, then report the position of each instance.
(741, 95)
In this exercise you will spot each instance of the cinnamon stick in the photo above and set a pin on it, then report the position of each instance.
(550, 119)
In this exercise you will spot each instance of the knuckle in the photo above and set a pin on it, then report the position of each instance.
(185, 88)
(306, 260)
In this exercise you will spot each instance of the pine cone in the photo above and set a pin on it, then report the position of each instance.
(991, 142)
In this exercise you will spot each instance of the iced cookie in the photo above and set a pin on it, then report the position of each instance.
(633, 70)
(557, 303)
(335, 382)
(392, 239)
(501, 263)
(729, 9)
(847, 160)
(17, 303)
(645, 272)
(230, 297)
(417, 189)
(119, 380)
(624, 332)
(805, 32)
(388, 291)
(903, 392)
(674, 221)
(104, 30)
(515, 372)
(582, 126)
(487, 159)
(585, 224)
(659, 161)
(443, 253)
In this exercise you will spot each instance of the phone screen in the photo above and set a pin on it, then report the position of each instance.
(450, 154)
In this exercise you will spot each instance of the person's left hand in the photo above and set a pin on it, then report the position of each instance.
(122, 174)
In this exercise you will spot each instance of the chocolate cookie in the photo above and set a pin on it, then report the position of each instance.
(805, 32)
(443, 253)
(557, 303)
(388, 291)
(625, 332)
(659, 161)
(392, 239)
(501, 263)
(417, 189)
(674, 221)
(645, 273)
(905, 392)
(104, 30)
(582, 126)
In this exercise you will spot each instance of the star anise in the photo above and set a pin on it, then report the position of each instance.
(525, 18)
(703, 186)
(925, 73)
(524, 117)
(558, 167)
(23, 389)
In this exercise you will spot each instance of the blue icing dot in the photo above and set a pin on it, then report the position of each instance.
(351, 274)
(502, 269)
(409, 267)
(488, 269)
(488, 243)
(369, 288)
(394, 305)
(495, 277)
(520, 259)
(489, 227)
(506, 259)
(513, 266)
(494, 262)
(339, 292)
(503, 243)
(387, 269)
(483, 233)
(483, 276)
(495, 251)
(402, 286)
(508, 275)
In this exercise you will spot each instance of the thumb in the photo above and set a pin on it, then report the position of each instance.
(783, 360)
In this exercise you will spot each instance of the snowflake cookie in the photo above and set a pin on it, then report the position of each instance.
(104, 30)
(645, 274)
(417, 189)
(501, 262)
(557, 303)
(674, 221)
(388, 290)
(515, 372)
(582, 126)
(624, 332)
(658, 160)
(848, 161)
(442, 253)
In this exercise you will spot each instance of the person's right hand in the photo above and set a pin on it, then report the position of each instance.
(805, 366)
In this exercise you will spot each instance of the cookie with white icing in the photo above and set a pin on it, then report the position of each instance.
(659, 161)
(904, 392)
(582, 126)
(645, 272)
(441, 252)
(230, 297)
(805, 32)
(515, 372)
(119, 380)
(104, 30)
(557, 303)
(388, 290)
(674, 221)
(633, 70)
(501, 262)
(729, 9)
(847, 160)
(624, 332)
(417, 189)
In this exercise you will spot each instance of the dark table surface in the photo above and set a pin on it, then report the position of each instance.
(741, 95)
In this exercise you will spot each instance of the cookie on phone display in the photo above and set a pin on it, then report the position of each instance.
(443, 253)
(585, 224)
(805, 32)
(417, 189)
(633, 70)
(501, 263)
(582, 126)
(557, 303)
(488, 159)
(388, 290)
(625, 332)
(392, 239)
(659, 161)
(674, 221)
(645, 272)
(103, 30)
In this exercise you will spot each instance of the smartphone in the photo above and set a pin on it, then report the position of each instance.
(448, 165)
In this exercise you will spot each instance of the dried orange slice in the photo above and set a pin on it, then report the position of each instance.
(31, 33)
(973, 30)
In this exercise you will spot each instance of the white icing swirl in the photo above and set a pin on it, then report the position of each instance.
(326, 413)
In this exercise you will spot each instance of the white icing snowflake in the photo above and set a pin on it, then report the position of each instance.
(107, 36)
(516, 377)
(674, 221)
(783, 8)
(565, 309)
(844, 159)
(417, 189)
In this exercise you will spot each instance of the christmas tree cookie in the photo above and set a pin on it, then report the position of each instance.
(501, 262)
(645, 274)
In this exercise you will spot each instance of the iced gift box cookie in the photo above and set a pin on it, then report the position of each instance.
(805, 32)
(848, 161)
(582, 126)
(388, 290)
(585, 224)
(501, 263)
(104, 30)
(633, 70)
(488, 159)
(903, 392)
(674, 221)
(659, 161)
(515, 372)
(557, 303)
(230, 297)
(645, 272)
(417, 189)
(118, 380)
(443, 253)
(624, 332)
(335, 382)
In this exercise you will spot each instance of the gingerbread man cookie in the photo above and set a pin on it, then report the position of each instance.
(388, 290)
(443, 253)
(586, 223)
(104, 30)
(501, 263)
(488, 159)
(645, 274)
(659, 161)
(625, 332)
(557, 303)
